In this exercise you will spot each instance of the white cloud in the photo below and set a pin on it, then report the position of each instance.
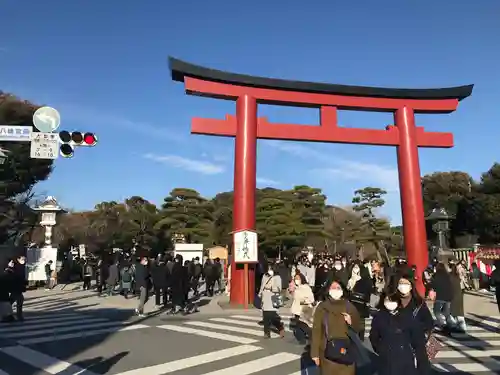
(192, 165)
(298, 150)
(378, 175)
(382, 176)
(266, 181)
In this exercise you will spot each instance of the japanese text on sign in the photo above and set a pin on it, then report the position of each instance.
(15, 133)
(44, 146)
(245, 247)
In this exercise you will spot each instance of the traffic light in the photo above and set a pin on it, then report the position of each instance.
(69, 140)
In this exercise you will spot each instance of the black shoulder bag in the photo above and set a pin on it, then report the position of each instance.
(338, 350)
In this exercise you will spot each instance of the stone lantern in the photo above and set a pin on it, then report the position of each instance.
(440, 220)
(49, 210)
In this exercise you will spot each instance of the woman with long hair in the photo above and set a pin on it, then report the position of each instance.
(360, 288)
(399, 343)
(457, 313)
(443, 295)
(302, 308)
(411, 302)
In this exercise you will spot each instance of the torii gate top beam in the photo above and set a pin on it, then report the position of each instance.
(224, 85)
(328, 98)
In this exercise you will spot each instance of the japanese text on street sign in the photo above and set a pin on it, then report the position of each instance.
(44, 146)
(245, 247)
(15, 133)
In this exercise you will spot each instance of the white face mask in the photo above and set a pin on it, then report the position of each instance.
(270, 272)
(298, 282)
(391, 305)
(22, 261)
(336, 293)
(338, 266)
(404, 288)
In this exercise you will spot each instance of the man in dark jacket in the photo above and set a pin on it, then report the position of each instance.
(113, 278)
(19, 285)
(142, 284)
(195, 275)
(179, 281)
(159, 275)
(48, 275)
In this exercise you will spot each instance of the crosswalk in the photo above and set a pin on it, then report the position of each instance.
(474, 352)
(49, 326)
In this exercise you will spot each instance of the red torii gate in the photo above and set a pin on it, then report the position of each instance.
(248, 91)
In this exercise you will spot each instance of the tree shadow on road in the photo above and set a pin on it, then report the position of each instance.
(81, 327)
(463, 343)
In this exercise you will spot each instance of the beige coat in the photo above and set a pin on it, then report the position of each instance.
(302, 297)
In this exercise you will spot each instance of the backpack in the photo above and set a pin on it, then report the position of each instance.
(126, 276)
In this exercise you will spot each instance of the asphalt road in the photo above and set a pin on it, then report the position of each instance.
(68, 342)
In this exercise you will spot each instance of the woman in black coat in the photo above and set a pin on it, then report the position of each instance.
(457, 303)
(397, 340)
(411, 302)
(360, 288)
(442, 287)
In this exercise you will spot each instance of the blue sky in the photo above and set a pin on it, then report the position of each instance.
(103, 65)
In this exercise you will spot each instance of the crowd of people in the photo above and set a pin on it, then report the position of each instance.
(171, 279)
(332, 297)
(174, 282)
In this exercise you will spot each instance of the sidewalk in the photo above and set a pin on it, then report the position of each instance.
(478, 306)
(73, 295)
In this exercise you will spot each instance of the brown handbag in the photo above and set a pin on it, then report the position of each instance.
(432, 345)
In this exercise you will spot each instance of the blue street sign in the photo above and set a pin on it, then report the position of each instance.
(14, 133)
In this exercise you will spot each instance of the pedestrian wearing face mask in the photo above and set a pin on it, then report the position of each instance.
(331, 348)
(399, 343)
(18, 285)
(339, 272)
(360, 288)
(412, 303)
(270, 292)
(310, 273)
(302, 309)
(442, 290)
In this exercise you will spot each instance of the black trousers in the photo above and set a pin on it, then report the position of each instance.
(271, 319)
(497, 294)
(160, 296)
(210, 283)
(302, 332)
(101, 287)
(86, 282)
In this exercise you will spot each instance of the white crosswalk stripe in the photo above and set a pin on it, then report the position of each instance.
(473, 352)
(245, 360)
(49, 327)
